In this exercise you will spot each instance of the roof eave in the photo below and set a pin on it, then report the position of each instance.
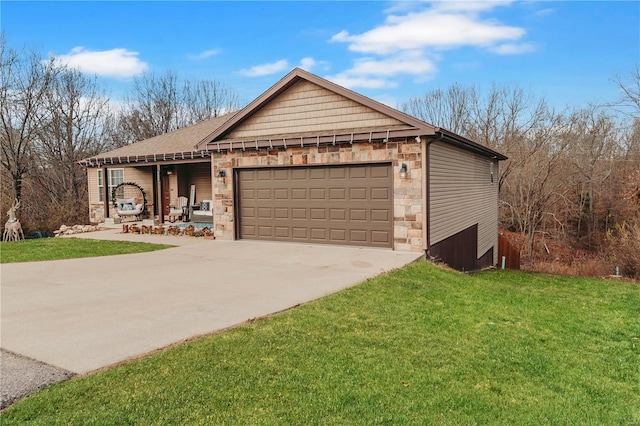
(468, 144)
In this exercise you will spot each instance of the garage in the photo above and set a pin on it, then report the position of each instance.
(338, 204)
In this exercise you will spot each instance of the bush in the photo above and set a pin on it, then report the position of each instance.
(624, 248)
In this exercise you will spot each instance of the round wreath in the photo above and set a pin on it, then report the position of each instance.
(114, 201)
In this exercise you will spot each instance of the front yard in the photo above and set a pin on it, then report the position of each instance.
(421, 345)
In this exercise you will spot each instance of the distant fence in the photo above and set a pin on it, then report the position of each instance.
(510, 253)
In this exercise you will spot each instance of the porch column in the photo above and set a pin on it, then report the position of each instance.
(105, 189)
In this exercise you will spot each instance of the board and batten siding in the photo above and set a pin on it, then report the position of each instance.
(198, 174)
(306, 107)
(461, 195)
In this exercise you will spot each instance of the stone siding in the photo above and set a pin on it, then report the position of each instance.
(408, 204)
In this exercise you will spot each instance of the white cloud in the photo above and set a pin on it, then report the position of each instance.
(266, 69)
(349, 81)
(107, 63)
(413, 63)
(544, 12)
(206, 54)
(513, 48)
(414, 35)
(429, 29)
(307, 63)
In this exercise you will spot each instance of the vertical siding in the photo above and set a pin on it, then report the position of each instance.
(307, 107)
(461, 195)
(92, 176)
(198, 174)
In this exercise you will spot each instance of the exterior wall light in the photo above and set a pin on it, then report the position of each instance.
(403, 171)
(221, 175)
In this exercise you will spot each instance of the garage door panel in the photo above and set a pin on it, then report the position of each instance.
(281, 174)
(381, 237)
(358, 173)
(281, 193)
(264, 175)
(343, 204)
(380, 215)
(380, 172)
(265, 213)
(299, 213)
(299, 233)
(338, 214)
(282, 232)
(249, 212)
(318, 234)
(358, 236)
(265, 232)
(248, 194)
(339, 235)
(358, 215)
(357, 193)
(318, 214)
(299, 194)
(318, 173)
(299, 174)
(337, 173)
(380, 194)
(337, 194)
(317, 193)
(249, 231)
(280, 213)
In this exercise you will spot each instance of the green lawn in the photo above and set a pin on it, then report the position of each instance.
(417, 346)
(68, 248)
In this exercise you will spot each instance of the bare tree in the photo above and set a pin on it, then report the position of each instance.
(71, 130)
(630, 87)
(160, 104)
(24, 83)
(450, 108)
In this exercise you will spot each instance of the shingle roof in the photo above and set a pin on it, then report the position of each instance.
(177, 142)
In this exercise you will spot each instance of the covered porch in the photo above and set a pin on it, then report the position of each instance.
(162, 183)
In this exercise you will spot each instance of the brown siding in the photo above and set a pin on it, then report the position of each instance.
(306, 107)
(462, 195)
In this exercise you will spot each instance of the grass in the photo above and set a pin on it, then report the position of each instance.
(420, 345)
(68, 248)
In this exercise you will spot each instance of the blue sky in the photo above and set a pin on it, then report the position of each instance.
(567, 51)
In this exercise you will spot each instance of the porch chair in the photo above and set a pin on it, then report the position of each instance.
(204, 213)
(178, 208)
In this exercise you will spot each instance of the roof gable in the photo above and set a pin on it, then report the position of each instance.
(305, 104)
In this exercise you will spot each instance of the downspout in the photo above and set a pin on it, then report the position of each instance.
(428, 190)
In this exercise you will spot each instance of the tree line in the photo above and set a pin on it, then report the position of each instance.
(52, 116)
(573, 175)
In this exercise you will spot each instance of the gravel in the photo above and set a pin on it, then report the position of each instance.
(21, 376)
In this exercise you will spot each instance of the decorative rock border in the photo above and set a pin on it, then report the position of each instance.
(75, 229)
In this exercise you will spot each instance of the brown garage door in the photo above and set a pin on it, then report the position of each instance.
(346, 204)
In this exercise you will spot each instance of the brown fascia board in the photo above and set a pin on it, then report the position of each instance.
(467, 144)
(293, 77)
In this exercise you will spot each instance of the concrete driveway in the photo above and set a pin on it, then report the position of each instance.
(84, 314)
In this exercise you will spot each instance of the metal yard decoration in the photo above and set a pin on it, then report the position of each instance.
(12, 228)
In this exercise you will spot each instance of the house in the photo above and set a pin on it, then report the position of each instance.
(310, 161)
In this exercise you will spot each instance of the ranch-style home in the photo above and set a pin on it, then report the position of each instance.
(310, 161)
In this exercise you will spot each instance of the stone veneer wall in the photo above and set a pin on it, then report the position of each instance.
(408, 204)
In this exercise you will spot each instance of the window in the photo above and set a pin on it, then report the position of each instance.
(116, 177)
